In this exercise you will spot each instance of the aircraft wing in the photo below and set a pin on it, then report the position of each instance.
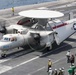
(43, 32)
(46, 32)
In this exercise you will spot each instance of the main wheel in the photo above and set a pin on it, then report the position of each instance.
(48, 48)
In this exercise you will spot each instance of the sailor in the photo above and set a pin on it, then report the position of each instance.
(63, 70)
(55, 72)
(50, 71)
(71, 70)
(68, 54)
(60, 72)
(72, 59)
(75, 73)
(49, 64)
(13, 11)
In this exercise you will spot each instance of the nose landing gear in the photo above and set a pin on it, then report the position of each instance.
(2, 54)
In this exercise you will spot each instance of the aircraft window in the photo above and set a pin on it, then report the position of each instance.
(7, 39)
(18, 32)
(15, 30)
(13, 39)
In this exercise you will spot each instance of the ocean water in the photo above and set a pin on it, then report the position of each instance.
(13, 3)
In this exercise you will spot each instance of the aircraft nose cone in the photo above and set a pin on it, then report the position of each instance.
(3, 46)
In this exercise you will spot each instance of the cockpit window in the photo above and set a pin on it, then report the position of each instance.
(13, 39)
(7, 39)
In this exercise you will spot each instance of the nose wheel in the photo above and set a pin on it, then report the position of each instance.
(3, 55)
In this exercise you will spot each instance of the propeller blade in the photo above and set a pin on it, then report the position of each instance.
(3, 30)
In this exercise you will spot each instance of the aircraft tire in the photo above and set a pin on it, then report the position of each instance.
(3, 55)
(48, 48)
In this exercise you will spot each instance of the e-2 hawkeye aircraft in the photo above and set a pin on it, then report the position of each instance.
(43, 34)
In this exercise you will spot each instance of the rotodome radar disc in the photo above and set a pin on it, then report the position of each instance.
(41, 14)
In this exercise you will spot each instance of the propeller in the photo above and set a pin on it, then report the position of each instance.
(36, 37)
(3, 30)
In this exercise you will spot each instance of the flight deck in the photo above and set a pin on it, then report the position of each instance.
(34, 62)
